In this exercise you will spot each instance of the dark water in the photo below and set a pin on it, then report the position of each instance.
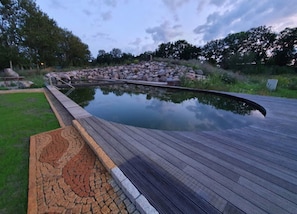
(167, 109)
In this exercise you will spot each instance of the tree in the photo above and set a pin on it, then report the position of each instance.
(163, 50)
(180, 49)
(213, 51)
(28, 36)
(285, 51)
(260, 42)
(10, 22)
(73, 51)
(40, 36)
(248, 47)
(103, 57)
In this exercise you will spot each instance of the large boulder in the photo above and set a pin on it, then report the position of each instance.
(10, 73)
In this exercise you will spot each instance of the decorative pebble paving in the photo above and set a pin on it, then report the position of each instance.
(69, 178)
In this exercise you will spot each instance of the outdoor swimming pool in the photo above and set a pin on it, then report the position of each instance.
(165, 108)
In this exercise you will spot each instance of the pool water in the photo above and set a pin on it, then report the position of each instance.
(166, 109)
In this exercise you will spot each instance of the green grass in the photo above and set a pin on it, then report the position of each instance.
(251, 84)
(22, 115)
(228, 81)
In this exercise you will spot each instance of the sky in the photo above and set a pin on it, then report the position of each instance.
(136, 26)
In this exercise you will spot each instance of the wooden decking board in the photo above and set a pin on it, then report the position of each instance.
(263, 139)
(127, 165)
(281, 131)
(275, 167)
(216, 185)
(273, 197)
(238, 195)
(276, 159)
(278, 125)
(230, 208)
(113, 153)
(285, 148)
(167, 153)
(132, 166)
(243, 172)
(156, 196)
(224, 186)
(191, 157)
(211, 196)
(157, 177)
(239, 169)
(164, 184)
(110, 141)
(207, 145)
(179, 153)
(278, 129)
(256, 137)
(138, 147)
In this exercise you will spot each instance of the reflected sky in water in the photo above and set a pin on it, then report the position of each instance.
(153, 112)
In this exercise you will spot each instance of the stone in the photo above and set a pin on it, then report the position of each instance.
(199, 72)
(10, 73)
(271, 84)
(163, 79)
(144, 206)
(161, 72)
(173, 82)
(130, 190)
(145, 71)
(25, 84)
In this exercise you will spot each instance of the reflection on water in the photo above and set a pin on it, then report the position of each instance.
(168, 109)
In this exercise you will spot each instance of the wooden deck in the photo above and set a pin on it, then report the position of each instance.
(247, 170)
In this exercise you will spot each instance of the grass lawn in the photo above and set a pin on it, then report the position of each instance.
(248, 84)
(22, 115)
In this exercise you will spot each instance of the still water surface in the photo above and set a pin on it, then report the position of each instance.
(167, 109)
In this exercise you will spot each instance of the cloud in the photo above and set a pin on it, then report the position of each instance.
(220, 3)
(106, 15)
(235, 16)
(136, 42)
(176, 26)
(57, 5)
(174, 4)
(163, 33)
(111, 3)
(87, 12)
(105, 36)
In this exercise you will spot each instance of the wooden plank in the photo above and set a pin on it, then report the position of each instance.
(273, 197)
(260, 160)
(269, 173)
(224, 186)
(265, 142)
(185, 197)
(242, 170)
(158, 147)
(103, 140)
(245, 145)
(127, 163)
(185, 153)
(238, 195)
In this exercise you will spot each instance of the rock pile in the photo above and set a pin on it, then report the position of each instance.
(12, 80)
(145, 71)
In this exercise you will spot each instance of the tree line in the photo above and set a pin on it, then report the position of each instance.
(28, 38)
(257, 46)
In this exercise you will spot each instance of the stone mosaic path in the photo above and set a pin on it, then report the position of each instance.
(65, 176)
